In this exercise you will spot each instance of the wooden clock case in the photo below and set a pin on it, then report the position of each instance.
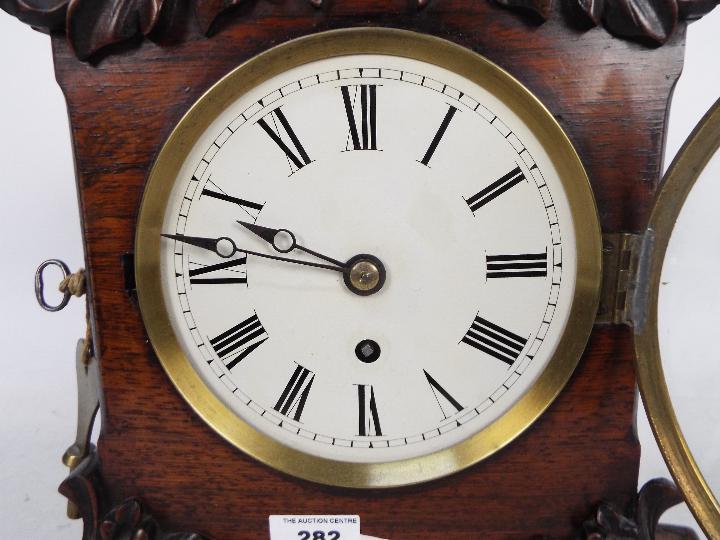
(125, 96)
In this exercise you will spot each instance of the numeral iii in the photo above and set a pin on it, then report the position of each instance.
(494, 340)
(366, 137)
(521, 265)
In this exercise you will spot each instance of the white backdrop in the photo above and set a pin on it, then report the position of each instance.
(39, 220)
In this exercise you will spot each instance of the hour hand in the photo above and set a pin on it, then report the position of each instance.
(223, 247)
(283, 241)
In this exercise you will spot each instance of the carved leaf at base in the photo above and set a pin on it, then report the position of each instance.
(129, 522)
(641, 522)
(126, 521)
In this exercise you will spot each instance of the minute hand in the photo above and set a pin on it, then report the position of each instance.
(269, 235)
(212, 244)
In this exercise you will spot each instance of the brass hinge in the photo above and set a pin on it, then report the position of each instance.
(620, 261)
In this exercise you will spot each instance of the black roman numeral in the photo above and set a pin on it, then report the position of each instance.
(495, 189)
(438, 135)
(494, 340)
(297, 157)
(443, 397)
(249, 207)
(295, 394)
(235, 344)
(521, 265)
(368, 419)
(203, 269)
(366, 138)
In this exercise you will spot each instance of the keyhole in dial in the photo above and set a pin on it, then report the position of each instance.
(367, 351)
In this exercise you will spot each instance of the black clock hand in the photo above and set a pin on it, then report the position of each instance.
(216, 246)
(269, 235)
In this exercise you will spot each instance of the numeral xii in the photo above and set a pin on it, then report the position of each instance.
(366, 137)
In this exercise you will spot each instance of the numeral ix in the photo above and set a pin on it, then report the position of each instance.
(494, 340)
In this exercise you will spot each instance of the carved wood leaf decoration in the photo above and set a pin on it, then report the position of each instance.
(206, 11)
(92, 25)
(651, 21)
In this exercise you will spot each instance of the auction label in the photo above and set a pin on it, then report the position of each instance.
(314, 527)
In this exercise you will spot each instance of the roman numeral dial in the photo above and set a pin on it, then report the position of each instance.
(494, 340)
(419, 187)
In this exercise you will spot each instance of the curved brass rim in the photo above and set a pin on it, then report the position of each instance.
(690, 161)
(396, 43)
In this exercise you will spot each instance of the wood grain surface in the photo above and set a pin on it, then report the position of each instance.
(611, 98)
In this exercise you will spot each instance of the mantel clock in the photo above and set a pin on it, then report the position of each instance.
(362, 257)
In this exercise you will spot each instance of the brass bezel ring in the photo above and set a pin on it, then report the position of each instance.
(395, 43)
(687, 166)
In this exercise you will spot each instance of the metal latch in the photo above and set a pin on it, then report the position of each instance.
(620, 254)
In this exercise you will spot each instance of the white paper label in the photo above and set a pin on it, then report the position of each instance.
(314, 527)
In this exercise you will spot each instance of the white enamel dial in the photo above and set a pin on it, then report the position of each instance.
(447, 190)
